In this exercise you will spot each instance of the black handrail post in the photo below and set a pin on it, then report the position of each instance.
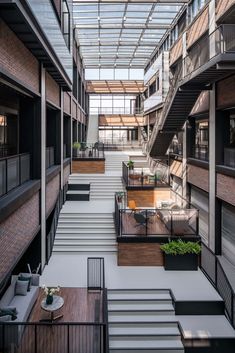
(171, 223)
(146, 222)
(35, 339)
(3, 336)
(68, 340)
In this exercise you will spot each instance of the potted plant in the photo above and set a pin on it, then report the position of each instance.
(76, 148)
(119, 196)
(130, 165)
(181, 255)
(50, 293)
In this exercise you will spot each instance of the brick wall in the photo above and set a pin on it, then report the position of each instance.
(202, 103)
(198, 176)
(66, 173)
(91, 167)
(148, 198)
(52, 190)
(74, 110)
(52, 90)
(16, 232)
(225, 92)
(176, 168)
(226, 188)
(139, 254)
(67, 103)
(16, 60)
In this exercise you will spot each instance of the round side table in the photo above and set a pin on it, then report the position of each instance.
(57, 304)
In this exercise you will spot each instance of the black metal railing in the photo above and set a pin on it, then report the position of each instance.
(176, 148)
(137, 177)
(117, 110)
(95, 273)
(120, 144)
(51, 235)
(229, 157)
(213, 269)
(50, 157)
(53, 337)
(161, 222)
(7, 150)
(89, 150)
(220, 41)
(14, 171)
(200, 152)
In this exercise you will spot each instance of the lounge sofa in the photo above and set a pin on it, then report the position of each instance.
(23, 305)
(179, 219)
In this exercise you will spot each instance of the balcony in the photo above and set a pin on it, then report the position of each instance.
(211, 57)
(14, 171)
(142, 177)
(89, 151)
(160, 224)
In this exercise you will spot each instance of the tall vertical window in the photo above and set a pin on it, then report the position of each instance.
(66, 23)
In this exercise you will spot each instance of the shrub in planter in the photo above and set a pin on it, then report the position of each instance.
(76, 148)
(181, 255)
(130, 165)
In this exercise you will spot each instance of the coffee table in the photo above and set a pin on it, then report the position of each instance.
(57, 304)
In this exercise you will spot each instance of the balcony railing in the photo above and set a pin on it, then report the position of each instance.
(53, 337)
(117, 110)
(50, 157)
(14, 171)
(212, 267)
(176, 148)
(89, 150)
(220, 41)
(163, 223)
(229, 157)
(138, 177)
(201, 152)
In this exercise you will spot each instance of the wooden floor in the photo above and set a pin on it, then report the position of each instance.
(79, 306)
(155, 226)
(46, 337)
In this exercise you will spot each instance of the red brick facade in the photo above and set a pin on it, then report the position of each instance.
(67, 107)
(226, 188)
(52, 191)
(52, 90)
(16, 60)
(198, 176)
(66, 173)
(16, 233)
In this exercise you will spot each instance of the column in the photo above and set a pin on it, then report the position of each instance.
(61, 139)
(43, 166)
(212, 171)
(184, 164)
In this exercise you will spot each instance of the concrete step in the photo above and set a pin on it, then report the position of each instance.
(87, 242)
(143, 327)
(84, 248)
(86, 231)
(139, 294)
(66, 215)
(143, 308)
(94, 226)
(140, 304)
(144, 344)
(143, 317)
(87, 237)
(85, 221)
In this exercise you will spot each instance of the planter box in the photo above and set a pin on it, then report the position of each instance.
(187, 262)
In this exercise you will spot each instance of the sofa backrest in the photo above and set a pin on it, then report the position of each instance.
(9, 294)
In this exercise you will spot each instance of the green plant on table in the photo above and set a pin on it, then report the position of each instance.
(180, 247)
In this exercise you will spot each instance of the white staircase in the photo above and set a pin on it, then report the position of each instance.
(102, 187)
(142, 321)
(113, 161)
(85, 232)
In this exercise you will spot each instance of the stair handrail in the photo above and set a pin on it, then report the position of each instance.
(174, 83)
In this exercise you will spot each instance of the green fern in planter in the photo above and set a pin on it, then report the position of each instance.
(180, 247)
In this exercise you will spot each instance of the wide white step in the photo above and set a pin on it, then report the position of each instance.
(135, 294)
(85, 231)
(81, 225)
(84, 248)
(138, 342)
(143, 327)
(88, 237)
(89, 216)
(141, 317)
(139, 307)
(97, 221)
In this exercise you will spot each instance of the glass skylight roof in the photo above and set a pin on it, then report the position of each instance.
(121, 33)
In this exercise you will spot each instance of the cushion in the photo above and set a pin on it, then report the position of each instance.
(5, 318)
(26, 278)
(8, 312)
(21, 287)
(11, 308)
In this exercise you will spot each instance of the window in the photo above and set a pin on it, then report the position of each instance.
(66, 23)
(152, 88)
(202, 140)
(194, 7)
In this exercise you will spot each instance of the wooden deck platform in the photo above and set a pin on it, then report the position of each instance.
(79, 306)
